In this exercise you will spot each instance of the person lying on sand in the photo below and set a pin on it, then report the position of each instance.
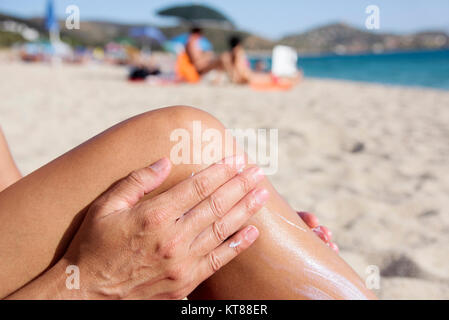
(160, 232)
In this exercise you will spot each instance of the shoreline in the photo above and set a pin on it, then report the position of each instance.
(267, 53)
(381, 84)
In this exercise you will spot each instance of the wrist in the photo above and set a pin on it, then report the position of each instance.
(73, 283)
(52, 285)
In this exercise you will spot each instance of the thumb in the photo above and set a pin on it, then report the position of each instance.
(127, 192)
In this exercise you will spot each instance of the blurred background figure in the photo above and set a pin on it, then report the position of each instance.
(142, 64)
(284, 71)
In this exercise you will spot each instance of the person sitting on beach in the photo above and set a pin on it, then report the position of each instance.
(203, 61)
(160, 232)
(237, 66)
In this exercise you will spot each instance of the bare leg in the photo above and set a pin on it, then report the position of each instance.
(213, 64)
(48, 204)
(8, 169)
(241, 73)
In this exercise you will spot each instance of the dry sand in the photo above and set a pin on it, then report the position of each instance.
(371, 161)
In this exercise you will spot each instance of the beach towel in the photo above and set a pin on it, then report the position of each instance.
(274, 85)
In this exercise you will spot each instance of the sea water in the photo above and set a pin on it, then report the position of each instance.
(415, 68)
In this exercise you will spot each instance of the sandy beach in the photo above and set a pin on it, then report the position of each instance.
(371, 161)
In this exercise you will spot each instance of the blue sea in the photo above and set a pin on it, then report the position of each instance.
(420, 68)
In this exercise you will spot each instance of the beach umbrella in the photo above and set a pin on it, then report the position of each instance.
(125, 41)
(195, 13)
(51, 22)
(150, 33)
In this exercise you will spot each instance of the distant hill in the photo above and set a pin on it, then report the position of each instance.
(338, 37)
(99, 33)
(342, 38)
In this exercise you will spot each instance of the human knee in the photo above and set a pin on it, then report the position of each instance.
(198, 137)
(185, 117)
(191, 138)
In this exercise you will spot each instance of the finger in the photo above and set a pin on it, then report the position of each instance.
(334, 247)
(310, 219)
(220, 256)
(220, 202)
(221, 229)
(127, 192)
(322, 232)
(327, 232)
(188, 193)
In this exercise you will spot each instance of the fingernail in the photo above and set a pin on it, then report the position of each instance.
(261, 196)
(159, 165)
(320, 233)
(251, 234)
(335, 247)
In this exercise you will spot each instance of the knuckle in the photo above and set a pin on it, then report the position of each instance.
(201, 185)
(244, 182)
(215, 262)
(219, 229)
(136, 178)
(217, 205)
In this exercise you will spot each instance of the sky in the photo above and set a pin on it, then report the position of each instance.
(269, 18)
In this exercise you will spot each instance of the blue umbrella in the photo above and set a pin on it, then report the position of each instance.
(181, 40)
(51, 22)
(151, 33)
